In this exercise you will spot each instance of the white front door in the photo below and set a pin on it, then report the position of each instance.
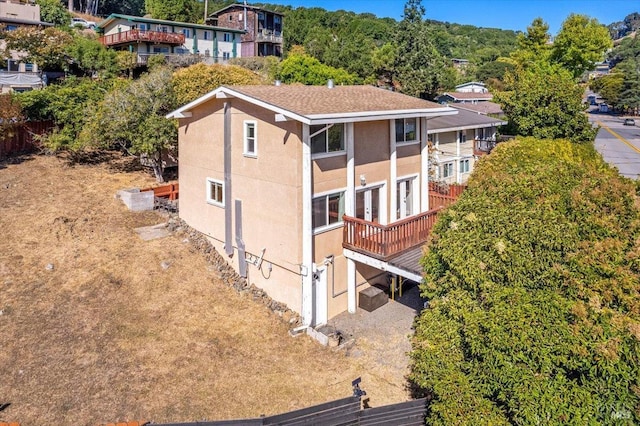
(406, 198)
(320, 296)
(368, 204)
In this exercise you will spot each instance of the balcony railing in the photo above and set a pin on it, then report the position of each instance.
(268, 36)
(386, 241)
(137, 36)
(483, 146)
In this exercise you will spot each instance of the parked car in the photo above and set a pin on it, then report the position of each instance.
(629, 122)
(80, 22)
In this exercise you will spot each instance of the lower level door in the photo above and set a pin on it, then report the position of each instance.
(320, 296)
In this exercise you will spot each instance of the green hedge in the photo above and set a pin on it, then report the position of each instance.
(533, 281)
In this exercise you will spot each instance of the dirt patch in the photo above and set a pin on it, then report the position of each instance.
(98, 325)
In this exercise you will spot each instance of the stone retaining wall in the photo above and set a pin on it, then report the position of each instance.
(226, 272)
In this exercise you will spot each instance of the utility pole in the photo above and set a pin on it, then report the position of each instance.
(206, 6)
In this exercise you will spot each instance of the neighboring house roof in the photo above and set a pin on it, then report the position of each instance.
(323, 104)
(471, 83)
(238, 5)
(115, 16)
(468, 96)
(464, 120)
(481, 107)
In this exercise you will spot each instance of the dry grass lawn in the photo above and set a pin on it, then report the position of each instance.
(108, 334)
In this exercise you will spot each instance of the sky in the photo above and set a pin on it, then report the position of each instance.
(505, 14)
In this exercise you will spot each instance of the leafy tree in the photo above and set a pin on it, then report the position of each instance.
(54, 12)
(494, 70)
(532, 276)
(533, 45)
(66, 105)
(383, 61)
(197, 80)
(91, 57)
(609, 87)
(580, 43)
(544, 102)
(10, 114)
(419, 65)
(173, 10)
(630, 89)
(44, 47)
(305, 69)
(131, 118)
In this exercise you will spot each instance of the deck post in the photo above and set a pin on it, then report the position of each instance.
(424, 166)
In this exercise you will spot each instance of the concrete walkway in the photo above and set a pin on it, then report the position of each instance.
(382, 336)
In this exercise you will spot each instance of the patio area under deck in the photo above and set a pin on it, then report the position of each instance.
(405, 265)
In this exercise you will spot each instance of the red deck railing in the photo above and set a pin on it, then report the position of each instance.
(386, 241)
(137, 36)
(169, 191)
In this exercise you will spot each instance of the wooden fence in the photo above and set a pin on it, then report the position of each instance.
(345, 411)
(169, 191)
(21, 138)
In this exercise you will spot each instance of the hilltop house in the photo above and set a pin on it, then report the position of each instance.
(146, 37)
(313, 192)
(458, 141)
(18, 75)
(262, 28)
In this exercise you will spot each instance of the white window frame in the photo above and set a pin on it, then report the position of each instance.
(448, 166)
(326, 153)
(186, 32)
(227, 37)
(414, 180)
(246, 151)
(406, 142)
(466, 162)
(326, 195)
(462, 136)
(206, 35)
(210, 184)
(226, 55)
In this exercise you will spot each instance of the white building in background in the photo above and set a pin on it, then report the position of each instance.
(147, 37)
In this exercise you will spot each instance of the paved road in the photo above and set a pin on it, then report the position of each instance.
(618, 144)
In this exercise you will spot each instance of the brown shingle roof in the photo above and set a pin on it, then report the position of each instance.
(316, 100)
(481, 107)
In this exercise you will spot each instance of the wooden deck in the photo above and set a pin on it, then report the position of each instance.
(409, 260)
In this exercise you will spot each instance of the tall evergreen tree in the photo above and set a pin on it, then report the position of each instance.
(419, 66)
(173, 10)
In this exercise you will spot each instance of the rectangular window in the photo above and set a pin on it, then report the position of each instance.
(10, 27)
(162, 29)
(207, 35)
(464, 166)
(462, 136)
(261, 20)
(215, 192)
(160, 49)
(328, 210)
(143, 27)
(13, 65)
(227, 37)
(186, 32)
(28, 67)
(406, 130)
(447, 170)
(327, 140)
(250, 139)
(226, 55)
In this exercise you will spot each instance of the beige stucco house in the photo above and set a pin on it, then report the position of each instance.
(314, 193)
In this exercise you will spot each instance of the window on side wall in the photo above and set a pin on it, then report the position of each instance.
(215, 192)
(250, 139)
(406, 130)
(327, 140)
(206, 35)
(227, 37)
(464, 166)
(462, 136)
(186, 32)
(328, 210)
(447, 170)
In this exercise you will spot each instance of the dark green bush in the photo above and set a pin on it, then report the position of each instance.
(534, 314)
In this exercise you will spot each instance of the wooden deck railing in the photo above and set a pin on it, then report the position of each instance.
(386, 241)
(136, 36)
(483, 147)
(169, 191)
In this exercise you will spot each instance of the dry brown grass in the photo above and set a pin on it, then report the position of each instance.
(110, 335)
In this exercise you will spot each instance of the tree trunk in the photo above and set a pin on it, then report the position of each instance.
(70, 3)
